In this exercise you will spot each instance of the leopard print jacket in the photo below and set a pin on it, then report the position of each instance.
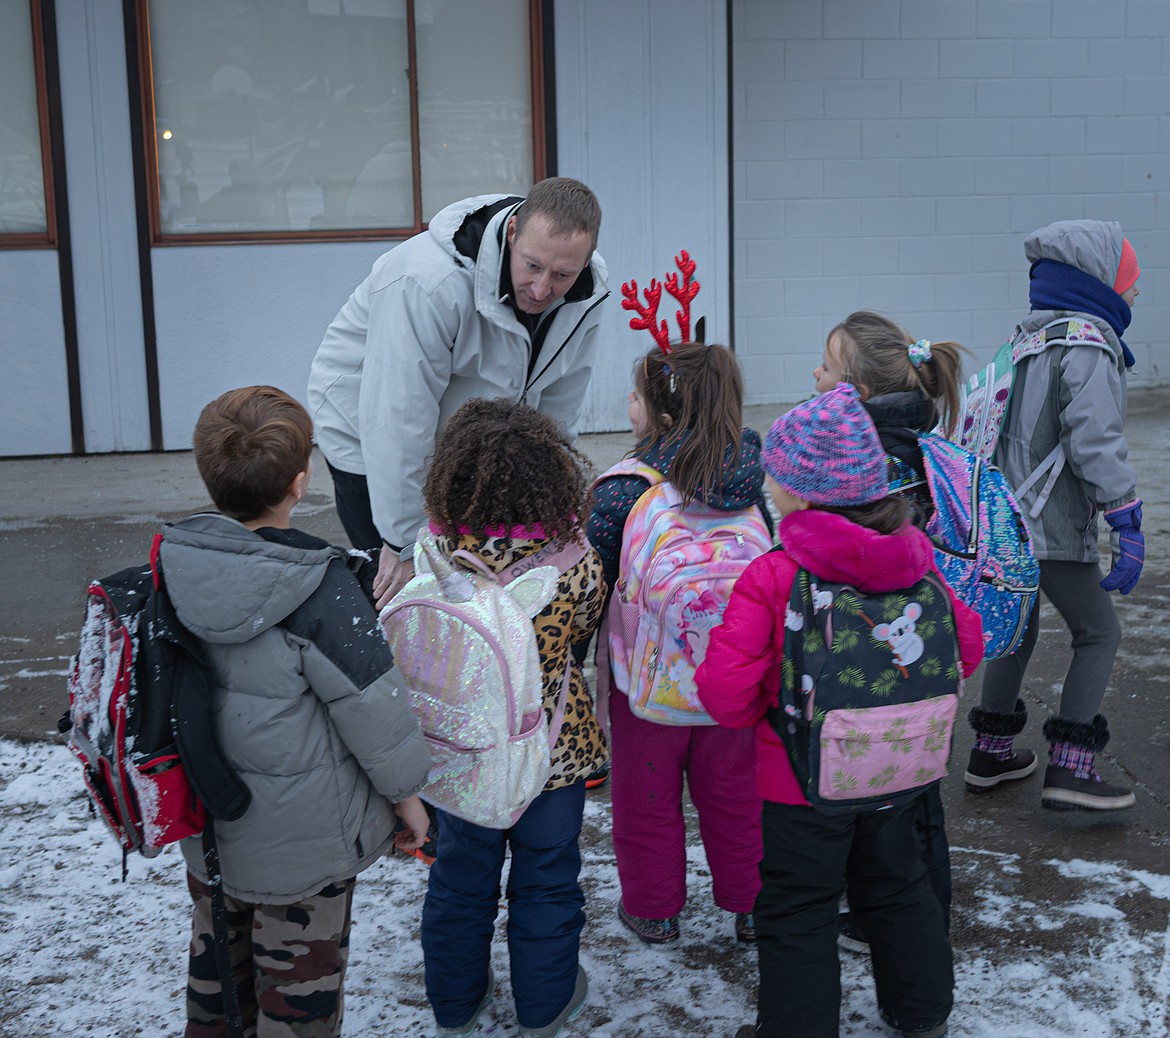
(573, 615)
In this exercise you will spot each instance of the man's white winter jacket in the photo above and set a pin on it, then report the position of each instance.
(427, 331)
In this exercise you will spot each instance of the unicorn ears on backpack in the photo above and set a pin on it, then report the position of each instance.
(826, 451)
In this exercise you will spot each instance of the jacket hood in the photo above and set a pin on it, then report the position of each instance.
(228, 583)
(447, 222)
(1092, 246)
(912, 409)
(833, 548)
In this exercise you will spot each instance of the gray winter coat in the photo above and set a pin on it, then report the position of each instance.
(308, 708)
(1073, 396)
(424, 333)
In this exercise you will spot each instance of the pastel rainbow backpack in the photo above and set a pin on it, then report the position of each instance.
(675, 574)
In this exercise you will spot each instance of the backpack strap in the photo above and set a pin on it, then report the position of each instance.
(233, 1016)
(1053, 465)
(561, 555)
(177, 652)
(632, 467)
(1064, 331)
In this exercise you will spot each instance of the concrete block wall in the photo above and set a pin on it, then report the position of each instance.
(893, 154)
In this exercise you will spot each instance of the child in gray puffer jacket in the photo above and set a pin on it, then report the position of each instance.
(309, 712)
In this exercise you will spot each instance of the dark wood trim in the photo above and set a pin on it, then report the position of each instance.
(543, 89)
(47, 238)
(730, 23)
(415, 132)
(142, 144)
(45, 18)
(544, 157)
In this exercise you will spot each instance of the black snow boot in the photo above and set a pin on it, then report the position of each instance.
(992, 759)
(1071, 782)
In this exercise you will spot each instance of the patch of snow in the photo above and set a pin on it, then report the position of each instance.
(84, 954)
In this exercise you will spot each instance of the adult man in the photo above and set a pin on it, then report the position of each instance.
(501, 296)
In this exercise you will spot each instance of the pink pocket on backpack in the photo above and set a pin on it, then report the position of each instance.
(885, 749)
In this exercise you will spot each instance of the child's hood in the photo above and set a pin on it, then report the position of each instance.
(228, 584)
(1092, 246)
(836, 549)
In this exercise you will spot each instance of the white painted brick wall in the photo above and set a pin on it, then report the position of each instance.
(893, 154)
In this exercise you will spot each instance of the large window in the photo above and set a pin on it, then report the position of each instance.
(335, 118)
(24, 212)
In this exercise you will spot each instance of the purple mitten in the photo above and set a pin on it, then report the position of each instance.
(1129, 547)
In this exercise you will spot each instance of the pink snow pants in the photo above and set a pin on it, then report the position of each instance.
(649, 762)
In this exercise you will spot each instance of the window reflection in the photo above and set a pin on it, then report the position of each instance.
(22, 172)
(294, 115)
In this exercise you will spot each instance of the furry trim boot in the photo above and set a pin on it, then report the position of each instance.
(992, 758)
(1071, 781)
(992, 722)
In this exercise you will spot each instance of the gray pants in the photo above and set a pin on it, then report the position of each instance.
(1074, 589)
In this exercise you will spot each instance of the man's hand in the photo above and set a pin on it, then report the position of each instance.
(393, 573)
(415, 822)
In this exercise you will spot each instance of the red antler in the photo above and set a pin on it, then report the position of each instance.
(685, 294)
(648, 313)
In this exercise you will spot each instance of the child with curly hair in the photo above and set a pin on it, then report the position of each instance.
(505, 483)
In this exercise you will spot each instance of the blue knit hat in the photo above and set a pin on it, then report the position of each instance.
(826, 451)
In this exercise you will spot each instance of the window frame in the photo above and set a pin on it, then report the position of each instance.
(46, 239)
(538, 16)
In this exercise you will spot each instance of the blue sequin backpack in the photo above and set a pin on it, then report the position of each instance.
(463, 638)
(982, 545)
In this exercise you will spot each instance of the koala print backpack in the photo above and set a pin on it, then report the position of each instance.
(869, 691)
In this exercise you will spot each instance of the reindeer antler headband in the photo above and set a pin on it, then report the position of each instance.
(647, 312)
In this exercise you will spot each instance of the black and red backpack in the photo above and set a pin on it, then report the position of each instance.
(139, 718)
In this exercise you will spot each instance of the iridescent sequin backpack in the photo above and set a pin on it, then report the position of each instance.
(982, 544)
(463, 638)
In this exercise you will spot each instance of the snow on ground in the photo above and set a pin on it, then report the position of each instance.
(82, 953)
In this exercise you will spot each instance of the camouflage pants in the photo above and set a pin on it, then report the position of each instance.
(289, 963)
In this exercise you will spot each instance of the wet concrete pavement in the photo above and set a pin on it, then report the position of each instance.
(66, 520)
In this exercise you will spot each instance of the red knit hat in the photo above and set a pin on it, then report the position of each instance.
(1128, 270)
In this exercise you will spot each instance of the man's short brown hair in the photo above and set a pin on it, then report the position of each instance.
(250, 444)
(569, 206)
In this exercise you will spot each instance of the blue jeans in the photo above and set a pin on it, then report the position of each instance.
(546, 910)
